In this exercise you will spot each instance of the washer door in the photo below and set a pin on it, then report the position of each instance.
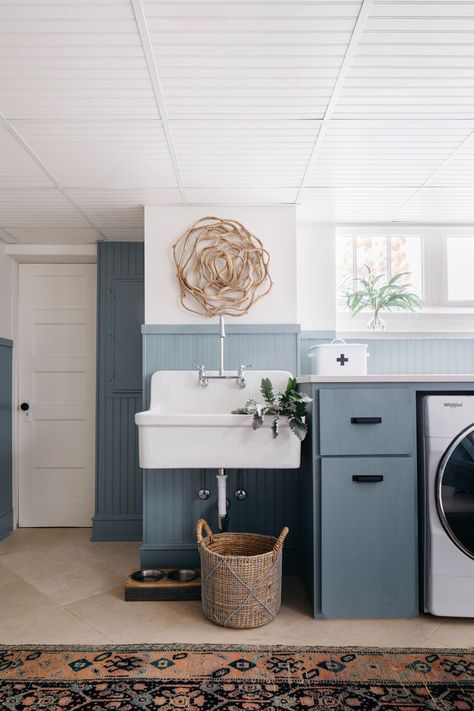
(455, 491)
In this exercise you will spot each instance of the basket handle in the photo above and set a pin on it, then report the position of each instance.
(279, 541)
(202, 524)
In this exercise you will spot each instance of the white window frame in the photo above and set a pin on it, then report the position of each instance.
(388, 237)
(438, 316)
(454, 302)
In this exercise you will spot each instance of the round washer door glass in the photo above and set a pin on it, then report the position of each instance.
(456, 492)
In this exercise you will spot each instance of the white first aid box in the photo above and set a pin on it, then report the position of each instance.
(339, 358)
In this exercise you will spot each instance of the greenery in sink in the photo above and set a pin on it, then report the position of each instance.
(290, 404)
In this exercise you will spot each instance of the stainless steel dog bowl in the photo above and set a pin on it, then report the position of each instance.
(148, 575)
(183, 575)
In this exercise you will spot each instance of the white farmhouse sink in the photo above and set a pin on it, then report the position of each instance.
(190, 426)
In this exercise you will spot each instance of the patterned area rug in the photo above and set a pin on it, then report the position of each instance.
(175, 677)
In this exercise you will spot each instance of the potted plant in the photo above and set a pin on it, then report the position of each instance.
(376, 295)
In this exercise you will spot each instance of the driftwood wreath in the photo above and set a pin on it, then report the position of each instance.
(221, 267)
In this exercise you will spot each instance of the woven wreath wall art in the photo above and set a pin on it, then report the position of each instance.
(221, 267)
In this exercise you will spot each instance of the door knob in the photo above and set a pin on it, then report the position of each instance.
(25, 406)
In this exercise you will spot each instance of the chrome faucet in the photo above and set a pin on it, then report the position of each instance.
(204, 378)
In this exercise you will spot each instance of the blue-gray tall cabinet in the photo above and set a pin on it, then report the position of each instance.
(120, 314)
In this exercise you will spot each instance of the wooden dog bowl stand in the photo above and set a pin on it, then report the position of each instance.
(162, 589)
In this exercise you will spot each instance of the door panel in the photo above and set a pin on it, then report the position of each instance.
(367, 421)
(369, 537)
(56, 366)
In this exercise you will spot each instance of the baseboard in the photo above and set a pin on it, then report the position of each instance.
(117, 528)
(6, 523)
(155, 555)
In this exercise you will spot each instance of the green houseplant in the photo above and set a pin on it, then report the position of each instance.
(290, 404)
(376, 294)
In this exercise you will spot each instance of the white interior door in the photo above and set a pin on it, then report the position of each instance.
(56, 379)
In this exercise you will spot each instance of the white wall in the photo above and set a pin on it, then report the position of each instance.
(316, 268)
(274, 225)
(8, 270)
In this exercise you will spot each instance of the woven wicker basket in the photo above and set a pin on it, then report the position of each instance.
(241, 576)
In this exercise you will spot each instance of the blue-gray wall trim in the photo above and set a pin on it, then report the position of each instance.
(6, 523)
(6, 418)
(120, 298)
(213, 328)
(117, 528)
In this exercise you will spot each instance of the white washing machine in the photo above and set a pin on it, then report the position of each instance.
(448, 424)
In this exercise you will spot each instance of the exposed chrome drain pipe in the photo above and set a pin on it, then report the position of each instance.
(222, 515)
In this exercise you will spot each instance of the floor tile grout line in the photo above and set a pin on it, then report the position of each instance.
(87, 624)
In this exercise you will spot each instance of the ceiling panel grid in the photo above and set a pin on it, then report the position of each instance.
(414, 60)
(243, 154)
(50, 54)
(358, 110)
(290, 51)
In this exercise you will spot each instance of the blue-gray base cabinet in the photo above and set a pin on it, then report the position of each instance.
(360, 497)
(6, 506)
(360, 484)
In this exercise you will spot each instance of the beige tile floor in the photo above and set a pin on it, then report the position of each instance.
(57, 587)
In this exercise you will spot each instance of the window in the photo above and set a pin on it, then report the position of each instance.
(440, 261)
(383, 254)
(460, 278)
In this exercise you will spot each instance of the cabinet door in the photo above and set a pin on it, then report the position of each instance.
(369, 537)
(367, 421)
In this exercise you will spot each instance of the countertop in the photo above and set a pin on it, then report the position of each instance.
(389, 378)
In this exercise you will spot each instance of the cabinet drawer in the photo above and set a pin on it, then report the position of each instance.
(369, 537)
(367, 421)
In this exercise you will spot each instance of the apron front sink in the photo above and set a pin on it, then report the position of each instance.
(190, 427)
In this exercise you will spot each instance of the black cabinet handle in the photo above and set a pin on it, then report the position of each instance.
(367, 478)
(25, 406)
(366, 420)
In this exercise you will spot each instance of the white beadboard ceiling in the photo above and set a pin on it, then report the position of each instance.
(356, 110)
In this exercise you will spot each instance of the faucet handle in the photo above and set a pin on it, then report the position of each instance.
(203, 380)
(198, 367)
(245, 367)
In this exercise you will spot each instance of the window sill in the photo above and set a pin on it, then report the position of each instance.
(455, 322)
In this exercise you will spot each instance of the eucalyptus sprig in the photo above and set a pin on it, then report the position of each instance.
(290, 403)
(378, 296)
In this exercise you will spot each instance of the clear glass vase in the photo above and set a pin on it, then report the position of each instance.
(376, 322)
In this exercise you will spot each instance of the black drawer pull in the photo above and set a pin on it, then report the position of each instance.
(367, 478)
(366, 420)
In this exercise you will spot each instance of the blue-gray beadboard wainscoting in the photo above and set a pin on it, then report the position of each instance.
(402, 355)
(170, 497)
(120, 299)
(6, 503)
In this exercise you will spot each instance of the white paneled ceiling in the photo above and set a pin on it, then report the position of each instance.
(357, 110)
